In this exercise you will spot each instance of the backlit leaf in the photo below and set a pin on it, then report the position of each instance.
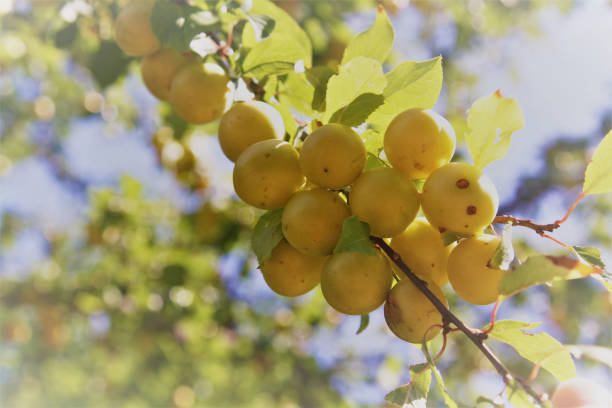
(267, 234)
(411, 84)
(376, 42)
(491, 122)
(359, 76)
(365, 321)
(539, 348)
(504, 254)
(414, 394)
(355, 237)
(541, 269)
(598, 175)
(358, 111)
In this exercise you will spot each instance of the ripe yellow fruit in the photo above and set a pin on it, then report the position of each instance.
(386, 199)
(159, 69)
(267, 174)
(247, 123)
(418, 141)
(581, 393)
(457, 197)
(410, 315)
(200, 92)
(468, 272)
(133, 31)
(421, 248)
(354, 283)
(333, 156)
(312, 221)
(289, 272)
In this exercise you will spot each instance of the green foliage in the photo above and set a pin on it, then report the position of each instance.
(376, 42)
(539, 348)
(359, 76)
(448, 399)
(355, 237)
(598, 175)
(590, 255)
(504, 255)
(278, 53)
(363, 324)
(540, 269)
(410, 84)
(267, 233)
(413, 394)
(358, 110)
(491, 121)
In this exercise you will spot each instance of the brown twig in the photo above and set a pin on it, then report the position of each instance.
(476, 336)
(520, 222)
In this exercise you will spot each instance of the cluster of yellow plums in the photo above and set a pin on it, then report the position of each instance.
(324, 181)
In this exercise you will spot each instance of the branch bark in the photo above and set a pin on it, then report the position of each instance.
(475, 335)
(520, 222)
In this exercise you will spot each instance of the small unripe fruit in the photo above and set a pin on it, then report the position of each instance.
(200, 92)
(247, 123)
(333, 156)
(581, 393)
(468, 272)
(133, 31)
(421, 248)
(267, 174)
(312, 221)
(289, 272)
(386, 199)
(419, 141)
(457, 197)
(410, 315)
(354, 283)
(159, 69)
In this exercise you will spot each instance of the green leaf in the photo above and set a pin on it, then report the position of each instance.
(541, 269)
(539, 348)
(373, 162)
(358, 111)
(355, 237)
(491, 121)
(376, 42)
(410, 85)
(504, 254)
(359, 76)
(598, 175)
(373, 141)
(296, 92)
(449, 237)
(365, 321)
(414, 394)
(518, 397)
(108, 63)
(318, 77)
(596, 353)
(288, 120)
(165, 20)
(267, 234)
(66, 36)
(590, 255)
(485, 400)
(448, 400)
(278, 53)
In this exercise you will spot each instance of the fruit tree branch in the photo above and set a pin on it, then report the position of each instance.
(539, 228)
(476, 336)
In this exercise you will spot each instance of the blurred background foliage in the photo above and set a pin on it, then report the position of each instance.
(125, 273)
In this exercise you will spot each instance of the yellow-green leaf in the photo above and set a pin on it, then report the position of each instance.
(376, 42)
(411, 84)
(359, 76)
(491, 122)
(598, 175)
(539, 348)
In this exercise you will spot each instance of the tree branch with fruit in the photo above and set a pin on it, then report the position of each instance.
(373, 136)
